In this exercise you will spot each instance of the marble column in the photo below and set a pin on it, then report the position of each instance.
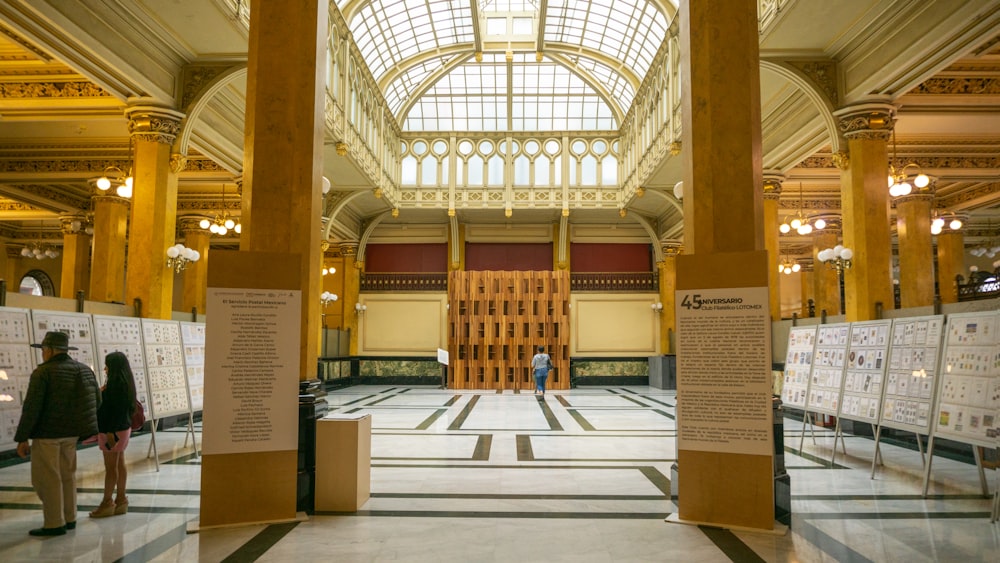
(283, 148)
(196, 274)
(352, 290)
(825, 280)
(916, 251)
(75, 256)
(772, 200)
(154, 209)
(720, 106)
(668, 288)
(107, 274)
(865, 203)
(950, 263)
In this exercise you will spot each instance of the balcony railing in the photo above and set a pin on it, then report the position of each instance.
(981, 285)
(614, 281)
(404, 282)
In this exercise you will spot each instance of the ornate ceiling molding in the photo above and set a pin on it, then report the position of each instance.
(73, 89)
(958, 199)
(53, 195)
(194, 78)
(823, 72)
(47, 166)
(965, 85)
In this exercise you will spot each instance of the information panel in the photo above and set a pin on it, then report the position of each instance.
(865, 372)
(165, 368)
(913, 374)
(79, 329)
(122, 334)
(193, 338)
(15, 370)
(798, 365)
(826, 384)
(969, 400)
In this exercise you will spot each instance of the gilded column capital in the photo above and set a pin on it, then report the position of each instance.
(349, 249)
(671, 249)
(178, 162)
(772, 185)
(341, 148)
(73, 224)
(841, 159)
(867, 121)
(915, 197)
(190, 224)
(153, 123)
(111, 200)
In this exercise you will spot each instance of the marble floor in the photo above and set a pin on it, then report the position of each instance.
(582, 475)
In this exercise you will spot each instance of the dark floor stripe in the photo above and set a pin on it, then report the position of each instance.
(259, 544)
(581, 420)
(825, 463)
(657, 478)
(157, 547)
(562, 401)
(524, 452)
(453, 400)
(835, 550)
(429, 421)
(665, 413)
(483, 446)
(731, 545)
(133, 509)
(365, 398)
(550, 416)
(648, 398)
(636, 401)
(462, 416)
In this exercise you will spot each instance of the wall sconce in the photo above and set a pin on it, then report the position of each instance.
(838, 257)
(179, 256)
(326, 298)
(656, 307)
(117, 178)
(938, 222)
(39, 252)
(360, 309)
(331, 270)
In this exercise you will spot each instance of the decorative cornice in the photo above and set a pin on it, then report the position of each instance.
(208, 205)
(87, 166)
(348, 248)
(71, 89)
(58, 196)
(969, 195)
(202, 165)
(25, 44)
(817, 162)
(965, 85)
(189, 225)
(194, 78)
(823, 72)
(914, 197)
(792, 203)
(111, 200)
(11, 205)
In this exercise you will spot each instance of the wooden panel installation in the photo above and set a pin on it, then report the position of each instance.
(496, 320)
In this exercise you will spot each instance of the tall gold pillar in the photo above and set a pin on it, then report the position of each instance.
(668, 290)
(196, 274)
(916, 252)
(107, 274)
(950, 263)
(772, 200)
(826, 280)
(723, 202)
(352, 292)
(76, 256)
(283, 147)
(154, 210)
(865, 203)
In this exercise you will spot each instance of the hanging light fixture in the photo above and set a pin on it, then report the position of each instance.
(179, 256)
(899, 180)
(838, 257)
(801, 223)
(115, 177)
(788, 266)
(939, 221)
(40, 252)
(223, 222)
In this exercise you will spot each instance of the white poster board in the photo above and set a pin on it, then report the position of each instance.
(193, 339)
(724, 402)
(913, 374)
(122, 334)
(77, 326)
(867, 359)
(168, 391)
(826, 384)
(969, 400)
(251, 366)
(798, 365)
(16, 365)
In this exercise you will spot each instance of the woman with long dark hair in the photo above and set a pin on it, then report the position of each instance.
(114, 422)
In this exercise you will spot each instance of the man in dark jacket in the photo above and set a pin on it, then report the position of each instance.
(59, 408)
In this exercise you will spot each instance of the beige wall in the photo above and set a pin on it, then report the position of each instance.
(614, 324)
(402, 324)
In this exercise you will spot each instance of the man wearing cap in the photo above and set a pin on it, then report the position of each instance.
(59, 408)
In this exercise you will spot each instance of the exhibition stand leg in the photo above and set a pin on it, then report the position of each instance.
(837, 433)
(878, 434)
(812, 429)
(982, 474)
(930, 461)
(152, 444)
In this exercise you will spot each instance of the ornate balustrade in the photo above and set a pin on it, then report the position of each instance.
(614, 281)
(981, 285)
(404, 282)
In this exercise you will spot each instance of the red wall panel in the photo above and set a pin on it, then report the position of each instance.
(594, 257)
(508, 256)
(402, 258)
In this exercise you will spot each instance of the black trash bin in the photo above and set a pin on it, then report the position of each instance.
(312, 407)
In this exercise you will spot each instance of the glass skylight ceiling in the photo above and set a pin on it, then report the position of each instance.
(600, 51)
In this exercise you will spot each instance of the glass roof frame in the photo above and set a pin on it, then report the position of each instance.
(412, 45)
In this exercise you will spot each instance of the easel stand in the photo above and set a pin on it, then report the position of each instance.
(878, 449)
(806, 417)
(979, 465)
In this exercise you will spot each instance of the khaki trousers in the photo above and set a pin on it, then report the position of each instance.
(53, 474)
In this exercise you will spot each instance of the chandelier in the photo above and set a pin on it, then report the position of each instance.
(788, 266)
(801, 222)
(115, 177)
(39, 252)
(223, 222)
(899, 180)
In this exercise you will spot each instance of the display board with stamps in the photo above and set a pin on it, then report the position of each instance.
(912, 376)
(168, 390)
(79, 328)
(968, 408)
(829, 359)
(123, 334)
(16, 365)
(798, 365)
(864, 373)
(193, 338)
